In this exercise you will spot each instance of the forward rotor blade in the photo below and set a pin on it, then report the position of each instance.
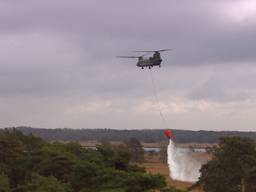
(143, 51)
(127, 57)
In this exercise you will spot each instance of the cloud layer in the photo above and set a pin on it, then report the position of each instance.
(58, 65)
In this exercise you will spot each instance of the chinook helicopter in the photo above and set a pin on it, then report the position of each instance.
(155, 60)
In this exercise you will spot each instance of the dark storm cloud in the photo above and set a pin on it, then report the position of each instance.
(200, 31)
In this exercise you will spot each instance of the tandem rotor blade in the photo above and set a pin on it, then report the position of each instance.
(128, 57)
(161, 50)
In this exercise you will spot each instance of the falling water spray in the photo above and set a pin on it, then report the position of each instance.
(182, 165)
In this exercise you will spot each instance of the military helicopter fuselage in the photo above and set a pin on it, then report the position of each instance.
(150, 62)
(156, 60)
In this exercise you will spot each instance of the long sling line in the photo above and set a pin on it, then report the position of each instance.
(155, 93)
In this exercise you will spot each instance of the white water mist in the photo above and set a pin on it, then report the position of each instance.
(182, 165)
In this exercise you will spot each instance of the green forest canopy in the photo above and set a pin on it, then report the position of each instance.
(30, 164)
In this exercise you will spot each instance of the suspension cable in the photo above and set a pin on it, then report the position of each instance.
(156, 98)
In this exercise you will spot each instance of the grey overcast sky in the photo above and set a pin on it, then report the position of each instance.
(58, 65)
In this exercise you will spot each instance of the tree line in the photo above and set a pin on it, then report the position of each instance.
(143, 135)
(232, 168)
(31, 164)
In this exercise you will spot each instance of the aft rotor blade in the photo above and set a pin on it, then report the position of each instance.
(161, 50)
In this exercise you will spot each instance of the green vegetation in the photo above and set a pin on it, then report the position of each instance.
(30, 164)
(4, 183)
(233, 167)
(136, 150)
